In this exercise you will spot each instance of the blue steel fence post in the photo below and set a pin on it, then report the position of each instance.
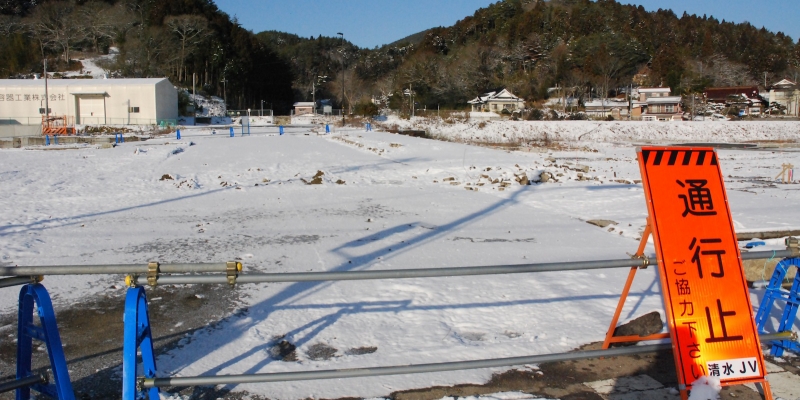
(232, 132)
(137, 336)
(55, 138)
(121, 138)
(327, 128)
(47, 140)
(179, 134)
(280, 129)
(36, 294)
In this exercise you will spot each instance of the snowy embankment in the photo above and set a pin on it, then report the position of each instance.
(597, 131)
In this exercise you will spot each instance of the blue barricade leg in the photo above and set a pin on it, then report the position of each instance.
(787, 320)
(61, 389)
(792, 299)
(772, 293)
(137, 337)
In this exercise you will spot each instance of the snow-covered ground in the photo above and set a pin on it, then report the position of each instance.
(91, 67)
(386, 201)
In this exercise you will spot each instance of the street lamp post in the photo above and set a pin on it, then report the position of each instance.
(342, 35)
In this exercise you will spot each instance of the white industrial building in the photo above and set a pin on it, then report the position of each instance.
(147, 101)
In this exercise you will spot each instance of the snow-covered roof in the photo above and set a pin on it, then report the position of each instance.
(80, 82)
(654, 90)
(607, 103)
(501, 96)
(664, 100)
(304, 104)
(784, 83)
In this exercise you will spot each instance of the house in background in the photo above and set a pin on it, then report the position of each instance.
(496, 102)
(745, 98)
(787, 94)
(603, 108)
(656, 104)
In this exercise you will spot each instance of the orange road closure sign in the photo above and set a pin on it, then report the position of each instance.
(705, 293)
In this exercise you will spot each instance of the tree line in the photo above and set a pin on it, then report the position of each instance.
(184, 40)
(587, 48)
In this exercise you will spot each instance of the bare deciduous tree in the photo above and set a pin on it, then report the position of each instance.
(51, 25)
(99, 21)
(190, 30)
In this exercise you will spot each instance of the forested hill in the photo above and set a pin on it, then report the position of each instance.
(527, 46)
(531, 45)
(176, 39)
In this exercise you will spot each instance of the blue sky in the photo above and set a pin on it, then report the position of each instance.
(370, 23)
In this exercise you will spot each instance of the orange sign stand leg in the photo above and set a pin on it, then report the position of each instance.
(610, 338)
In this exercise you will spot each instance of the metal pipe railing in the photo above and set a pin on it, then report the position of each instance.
(110, 269)
(18, 280)
(395, 273)
(416, 369)
(125, 269)
(426, 273)
(21, 383)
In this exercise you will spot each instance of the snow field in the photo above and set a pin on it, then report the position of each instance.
(246, 197)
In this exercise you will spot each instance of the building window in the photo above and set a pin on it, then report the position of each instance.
(670, 108)
(133, 110)
(49, 111)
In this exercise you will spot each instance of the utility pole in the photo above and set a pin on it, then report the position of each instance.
(342, 35)
(46, 96)
(225, 92)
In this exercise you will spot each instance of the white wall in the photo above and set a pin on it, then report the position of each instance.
(156, 98)
(166, 100)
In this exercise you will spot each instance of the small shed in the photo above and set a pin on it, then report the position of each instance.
(303, 108)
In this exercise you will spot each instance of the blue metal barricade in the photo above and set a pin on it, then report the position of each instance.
(792, 299)
(137, 336)
(61, 389)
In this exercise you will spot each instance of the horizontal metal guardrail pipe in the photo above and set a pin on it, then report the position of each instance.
(16, 281)
(110, 269)
(124, 269)
(21, 383)
(415, 369)
(398, 273)
(424, 273)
